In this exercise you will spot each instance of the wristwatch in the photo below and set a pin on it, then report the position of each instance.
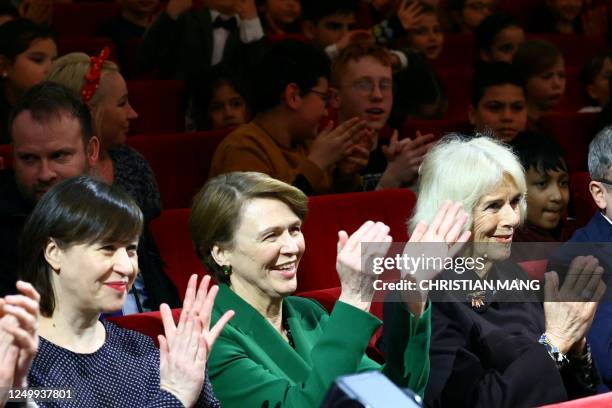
(558, 357)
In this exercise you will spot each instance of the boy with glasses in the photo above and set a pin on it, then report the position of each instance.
(363, 87)
(283, 140)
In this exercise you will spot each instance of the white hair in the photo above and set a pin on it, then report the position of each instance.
(461, 169)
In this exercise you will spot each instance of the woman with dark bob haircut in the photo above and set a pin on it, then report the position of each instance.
(286, 351)
(79, 251)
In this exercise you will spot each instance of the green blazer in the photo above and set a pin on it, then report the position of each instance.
(251, 365)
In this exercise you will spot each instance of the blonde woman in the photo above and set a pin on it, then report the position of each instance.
(100, 85)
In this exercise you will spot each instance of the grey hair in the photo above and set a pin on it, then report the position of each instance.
(465, 169)
(600, 154)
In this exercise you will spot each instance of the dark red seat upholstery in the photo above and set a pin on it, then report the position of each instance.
(6, 153)
(150, 323)
(437, 127)
(596, 401)
(171, 233)
(88, 45)
(332, 213)
(180, 161)
(82, 19)
(575, 97)
(582, 205)
(458, 85)
(574, 132)
(459, 50)
(159, 104)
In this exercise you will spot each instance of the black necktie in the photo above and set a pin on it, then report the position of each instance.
(229, 24)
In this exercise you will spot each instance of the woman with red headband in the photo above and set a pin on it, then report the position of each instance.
(101, 86)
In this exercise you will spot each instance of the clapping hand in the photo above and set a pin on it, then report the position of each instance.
(357, 289)
(184, 348)
(22, 310)
(404, 157)
(441, 239)
(569, 310)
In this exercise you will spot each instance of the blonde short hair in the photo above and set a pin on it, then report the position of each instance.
(216, 210)
(464, 170)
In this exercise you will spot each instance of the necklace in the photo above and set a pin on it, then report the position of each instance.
(287, 330)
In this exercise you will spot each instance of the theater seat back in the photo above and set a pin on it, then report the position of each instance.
(171, 233)
(180, 162)
(332, 213)
(150, 323)
(581, 202)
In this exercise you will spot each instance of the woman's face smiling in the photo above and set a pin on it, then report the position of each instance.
(266, 251)
(94, 277)
(496, 216)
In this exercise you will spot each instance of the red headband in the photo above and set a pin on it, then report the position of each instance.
(92, 78)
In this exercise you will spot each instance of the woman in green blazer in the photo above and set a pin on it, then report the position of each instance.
(285, 351)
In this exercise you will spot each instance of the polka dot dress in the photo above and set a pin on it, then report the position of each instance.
(124, 372)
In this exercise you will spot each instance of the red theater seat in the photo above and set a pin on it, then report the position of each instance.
(180, 161)
(575, 97)
(6, 154)
(88, 45)
(332, 213)
(82, 19)
(459, 50)
(171, 233)
(438, 127)
(581, 202)
(596, 401)
(159, 104)
(150, 323)
(535, 269)
(458, 85)
(574, 132)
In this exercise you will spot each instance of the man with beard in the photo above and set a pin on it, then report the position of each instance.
(52, 140)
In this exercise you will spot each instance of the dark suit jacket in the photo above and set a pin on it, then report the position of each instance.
(599, 232)
(251, 365)
(491, 357)
(182, 49)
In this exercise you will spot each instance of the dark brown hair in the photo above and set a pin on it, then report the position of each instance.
(75, 211)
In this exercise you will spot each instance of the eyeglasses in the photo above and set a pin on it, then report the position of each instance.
(366, 86)
(324, 95)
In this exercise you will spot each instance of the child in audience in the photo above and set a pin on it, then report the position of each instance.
(26, 52)
(596, 80)
(542, 67)
(498, 37)
(280, 16)
(426, 35)
(466, 15)
(569, 17)
(328, 23)
(135, 18)
(290, 100)
(220, 102)
(547, 188)
(184, 43)
(498, 103)
(363, 87)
